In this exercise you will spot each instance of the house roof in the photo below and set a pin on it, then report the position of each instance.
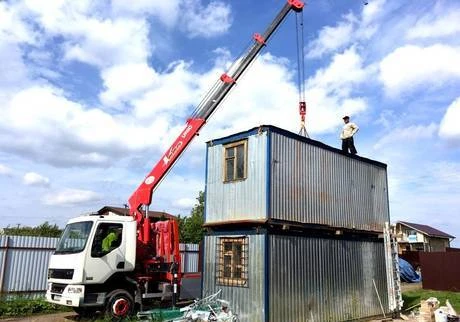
(427, 230)
(125, 212)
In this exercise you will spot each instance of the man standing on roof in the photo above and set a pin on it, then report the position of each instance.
(349, 129)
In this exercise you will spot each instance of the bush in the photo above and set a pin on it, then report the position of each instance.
(22, 306)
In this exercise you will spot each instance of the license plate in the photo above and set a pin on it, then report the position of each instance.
(57, 297)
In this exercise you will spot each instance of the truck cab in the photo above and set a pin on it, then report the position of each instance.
(95, 256)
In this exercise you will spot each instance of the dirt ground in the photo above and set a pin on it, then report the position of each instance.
(70, 316)
(410, 286)
(55, 317)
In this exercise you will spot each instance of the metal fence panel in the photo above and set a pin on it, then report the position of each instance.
(321, 279)
(190, 255)
(24, 262)
(3, 257)
(440, 271)
(313, 184)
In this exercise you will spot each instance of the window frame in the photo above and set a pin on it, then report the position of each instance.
(98, 240)
(65, 238)
(234, 146)
(242, 263)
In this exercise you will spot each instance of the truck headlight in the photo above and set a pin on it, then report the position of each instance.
(75, 289)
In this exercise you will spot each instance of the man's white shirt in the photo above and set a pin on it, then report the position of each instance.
(349, 130)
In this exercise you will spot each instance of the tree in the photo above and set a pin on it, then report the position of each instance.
(191, 227)
(43, 230)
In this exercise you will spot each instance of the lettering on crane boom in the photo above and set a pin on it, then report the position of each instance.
(172, 152)
(184, 134)
(149, 180)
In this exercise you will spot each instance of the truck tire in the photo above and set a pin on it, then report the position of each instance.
(119, 305)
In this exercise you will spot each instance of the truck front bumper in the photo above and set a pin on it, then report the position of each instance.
(69, 295)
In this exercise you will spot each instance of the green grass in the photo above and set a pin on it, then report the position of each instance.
(24, 306)
(412, 298)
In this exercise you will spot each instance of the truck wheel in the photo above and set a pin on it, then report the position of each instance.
(85, 312)
(119, 305)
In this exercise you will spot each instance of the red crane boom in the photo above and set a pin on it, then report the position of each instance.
(143, 194)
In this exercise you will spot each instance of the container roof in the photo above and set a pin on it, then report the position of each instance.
(427, 230)
(275, 129)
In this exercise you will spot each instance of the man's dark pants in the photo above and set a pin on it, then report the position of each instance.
(348, 145)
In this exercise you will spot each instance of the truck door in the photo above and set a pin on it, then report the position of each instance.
(107, 254)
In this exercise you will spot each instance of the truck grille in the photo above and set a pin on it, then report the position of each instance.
(57, 288)
(65, 274)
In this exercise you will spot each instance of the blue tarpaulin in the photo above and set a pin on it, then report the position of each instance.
(407, 272)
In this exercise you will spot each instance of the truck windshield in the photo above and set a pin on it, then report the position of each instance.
(74, 238)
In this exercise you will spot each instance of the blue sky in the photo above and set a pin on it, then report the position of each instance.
(93, 92)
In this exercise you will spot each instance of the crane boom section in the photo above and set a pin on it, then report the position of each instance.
(143, 194)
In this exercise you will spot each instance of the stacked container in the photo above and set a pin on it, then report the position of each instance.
(296, 238)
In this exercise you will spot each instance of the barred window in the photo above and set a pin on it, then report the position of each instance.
(235, 161)
(232, 261)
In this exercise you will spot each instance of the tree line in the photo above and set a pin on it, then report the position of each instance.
(190, 227)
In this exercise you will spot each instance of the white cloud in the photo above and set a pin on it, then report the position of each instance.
(448, 172)
(427, 192)
(409, 67)
(70, 197)
(87, 30)
(331, 39)
(212, 20)
(345, 70)
(106, 42)
(166, 11)
(436, 25)
(407, 134)
(329, 91)
(185, 190)
(174, 91)
(449, 128)
(5, 171)
(372, 12)
(40, 123)
(124, 82)
(185, 203)
(350, 30)
(35, 179)
(12, 28)
(14, 73)
(275, 100)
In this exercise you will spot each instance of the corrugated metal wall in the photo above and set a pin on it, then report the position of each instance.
(247, 302)
(241, 199)
(310, 184)
(317, 279)
(24, 262)
(189, 254)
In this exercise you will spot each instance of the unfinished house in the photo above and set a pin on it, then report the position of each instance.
(293, 228)
(418, 237)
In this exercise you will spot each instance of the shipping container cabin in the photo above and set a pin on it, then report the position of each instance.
(296, 276)
(269, 174)
(293, 228)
